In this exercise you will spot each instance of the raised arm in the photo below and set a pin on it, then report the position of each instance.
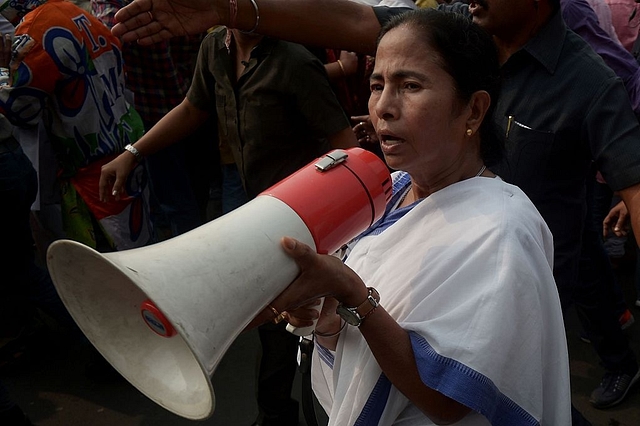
(339, 24)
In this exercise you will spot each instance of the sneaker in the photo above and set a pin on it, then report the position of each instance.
(612, 389)
(626, 319)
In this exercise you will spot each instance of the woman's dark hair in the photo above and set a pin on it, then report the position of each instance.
(469, 55)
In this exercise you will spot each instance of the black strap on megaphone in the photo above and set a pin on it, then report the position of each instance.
(308, 408)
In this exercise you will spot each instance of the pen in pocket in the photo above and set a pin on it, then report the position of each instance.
(511, 120)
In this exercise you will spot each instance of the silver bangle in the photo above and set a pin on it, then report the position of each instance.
(343, 324)
(255, 27)
(134, 151)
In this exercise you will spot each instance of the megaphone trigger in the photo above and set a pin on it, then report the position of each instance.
(305, 331)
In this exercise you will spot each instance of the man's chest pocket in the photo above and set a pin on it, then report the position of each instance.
(527, 158)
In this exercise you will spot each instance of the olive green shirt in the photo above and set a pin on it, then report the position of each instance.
(278, 116)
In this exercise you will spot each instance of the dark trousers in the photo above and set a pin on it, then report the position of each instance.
(602, 198)
(181, 177)
(173, 198)
(597, 296)
(596, 303)
(278, 366)
(24, 284)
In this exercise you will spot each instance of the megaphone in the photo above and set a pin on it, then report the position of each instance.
(164, 315)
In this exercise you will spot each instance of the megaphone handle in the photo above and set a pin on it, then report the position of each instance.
(305, 331)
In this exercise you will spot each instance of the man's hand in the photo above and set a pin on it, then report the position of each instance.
(151, 21)
(364, 130)
(617, 221)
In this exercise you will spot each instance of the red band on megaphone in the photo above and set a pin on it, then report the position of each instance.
(337, 196)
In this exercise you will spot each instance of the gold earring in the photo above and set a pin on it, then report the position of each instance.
(469, 132)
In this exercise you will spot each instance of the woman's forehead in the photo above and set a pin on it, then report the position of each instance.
(402, 46)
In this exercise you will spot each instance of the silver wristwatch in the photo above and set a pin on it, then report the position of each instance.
(356, 314)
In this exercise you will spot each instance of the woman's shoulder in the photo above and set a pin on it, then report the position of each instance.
(500, 206)
(510, 197)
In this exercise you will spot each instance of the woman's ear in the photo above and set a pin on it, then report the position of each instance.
(478, 106)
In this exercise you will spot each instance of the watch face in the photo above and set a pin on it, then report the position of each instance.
(350, 316)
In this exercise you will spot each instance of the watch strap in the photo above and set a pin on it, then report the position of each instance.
(369, 304)
(355, 315)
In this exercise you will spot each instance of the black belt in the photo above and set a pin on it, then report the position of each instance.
(9, 145)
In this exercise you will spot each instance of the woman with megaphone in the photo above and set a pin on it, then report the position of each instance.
(445, 310)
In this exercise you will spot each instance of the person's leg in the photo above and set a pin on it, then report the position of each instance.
(233, 193)
(21, 276)
(277, 371)
(599, 201)
(577, 419)
(18, 186)
(10, 413)
(172, 189)
(596, 301)
(201, 160)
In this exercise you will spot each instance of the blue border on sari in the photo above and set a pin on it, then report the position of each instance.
(455, 380)
(325, 355)
(467, 386)
(376, 403)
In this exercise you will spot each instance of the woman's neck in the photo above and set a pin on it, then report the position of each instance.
(418, 191)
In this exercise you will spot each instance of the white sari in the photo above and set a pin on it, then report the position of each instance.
(467, 272)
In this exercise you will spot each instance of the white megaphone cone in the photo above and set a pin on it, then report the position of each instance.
(164, 315)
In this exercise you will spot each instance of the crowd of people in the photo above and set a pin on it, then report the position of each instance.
(511, 128)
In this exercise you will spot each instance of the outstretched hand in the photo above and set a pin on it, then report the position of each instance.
(152, 21)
